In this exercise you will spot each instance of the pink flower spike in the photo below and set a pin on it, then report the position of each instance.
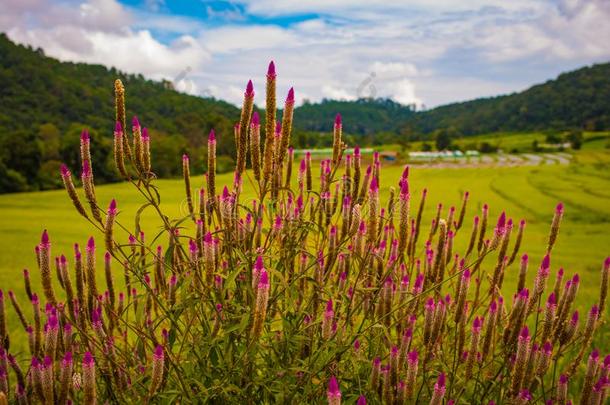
(525, 333)
(212, 136)
(256, 122)
(118, 128)
(290, 97)
(44, 239)
(333, 388)
(145, 135)
(271, 70)
(361, 400)
(501, 221)
(65, 172)
(607, 263)
(547, 347)
(258, 264)
(249, 89)
(134, 122)
(88, 360)
(193, 247)
(112, 207)
(86, 172)
(264, 280)
(546, 263)
(338, 120)
(476, 325)
(208, 238)
(440, 382)
(159, 354)
(374, 185)
(91, 244)
(84, 136)
(559, 208)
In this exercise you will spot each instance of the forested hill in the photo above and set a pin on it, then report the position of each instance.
(46, 103)
(360, 117)
(577, 99)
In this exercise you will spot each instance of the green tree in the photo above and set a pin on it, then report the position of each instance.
(442, 139)
(575, 138)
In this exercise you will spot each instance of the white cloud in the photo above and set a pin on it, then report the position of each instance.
(337, 93)
(98, 31)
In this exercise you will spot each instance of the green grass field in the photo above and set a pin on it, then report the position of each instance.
(520, 142)
(528, 192)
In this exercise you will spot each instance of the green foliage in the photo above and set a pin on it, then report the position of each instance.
(362, 117)
(575, 138)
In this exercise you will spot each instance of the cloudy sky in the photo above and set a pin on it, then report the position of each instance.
(414, 51)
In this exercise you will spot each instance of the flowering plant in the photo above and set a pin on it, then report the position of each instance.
(307, 292)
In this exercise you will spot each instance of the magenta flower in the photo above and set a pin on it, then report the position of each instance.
(271, 70)
(333, 393)
(249, 90)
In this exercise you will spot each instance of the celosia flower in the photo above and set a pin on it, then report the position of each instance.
(260, 309)
(521, 358)
(540, 282)
(157, 369)
(327, 320)
(90, 392)
(412, 366)
(108, 227)
(555, 226)
(562, 389)
(545, 358)
(439, 390)
(524, 397)
(474, 344)
(333, 394)
(592, 368)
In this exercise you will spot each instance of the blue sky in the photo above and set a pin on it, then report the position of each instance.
(414, 51)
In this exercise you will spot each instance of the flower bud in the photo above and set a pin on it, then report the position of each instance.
(157, 369)
(333, 394)
(439, 390)
(88, 379)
